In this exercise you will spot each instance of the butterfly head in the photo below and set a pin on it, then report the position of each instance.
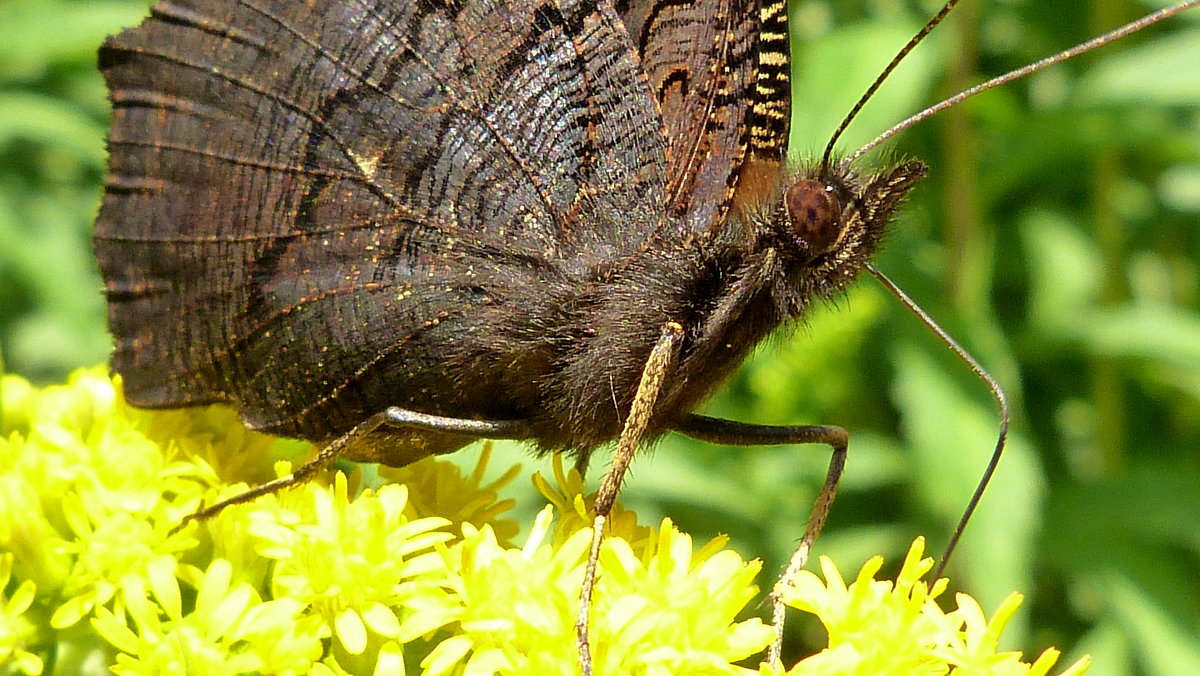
(827, 220)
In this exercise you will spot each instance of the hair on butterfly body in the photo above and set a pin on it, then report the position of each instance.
(728, 288)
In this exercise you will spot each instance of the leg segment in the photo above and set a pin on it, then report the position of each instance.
(719, 431)
(658, 365)
(393, 416)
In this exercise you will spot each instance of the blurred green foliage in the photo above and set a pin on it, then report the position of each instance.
(52, 120)
(1057, 238)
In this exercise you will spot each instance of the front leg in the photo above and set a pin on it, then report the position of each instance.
(718, 431)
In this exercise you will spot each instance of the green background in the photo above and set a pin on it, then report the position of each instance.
(1057, 238)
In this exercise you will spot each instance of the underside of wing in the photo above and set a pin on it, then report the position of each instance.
(718, 70)
(289, 185)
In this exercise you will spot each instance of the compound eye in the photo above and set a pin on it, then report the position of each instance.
(815, 214)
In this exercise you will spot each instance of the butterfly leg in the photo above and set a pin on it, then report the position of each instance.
(717, 431)
(393, 416)
(660, 363)
(301, 474)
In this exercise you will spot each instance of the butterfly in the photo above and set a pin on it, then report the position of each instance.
(458, 232)
(396, 228)
(435, 222)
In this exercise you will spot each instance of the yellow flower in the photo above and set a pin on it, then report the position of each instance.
(230, 629)
(574, 506)
(17, 632)
(658, 608)
(439, 489)
(356, 564)
(327, 580)
(84, 497)
(882, 627)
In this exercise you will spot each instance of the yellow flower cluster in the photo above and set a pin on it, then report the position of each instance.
(885, 627)
(413, 576)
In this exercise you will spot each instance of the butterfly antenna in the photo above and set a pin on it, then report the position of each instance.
(997, 394)
(1098, 41)
(862, 101)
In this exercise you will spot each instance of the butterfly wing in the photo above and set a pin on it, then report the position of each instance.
(286, 187)
(718, 70)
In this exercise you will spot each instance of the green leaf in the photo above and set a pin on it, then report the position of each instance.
(1148, 73)
(1167, 646)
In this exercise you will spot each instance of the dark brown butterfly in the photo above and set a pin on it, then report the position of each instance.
(464, 232)
(422, 223)
(398, 227)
